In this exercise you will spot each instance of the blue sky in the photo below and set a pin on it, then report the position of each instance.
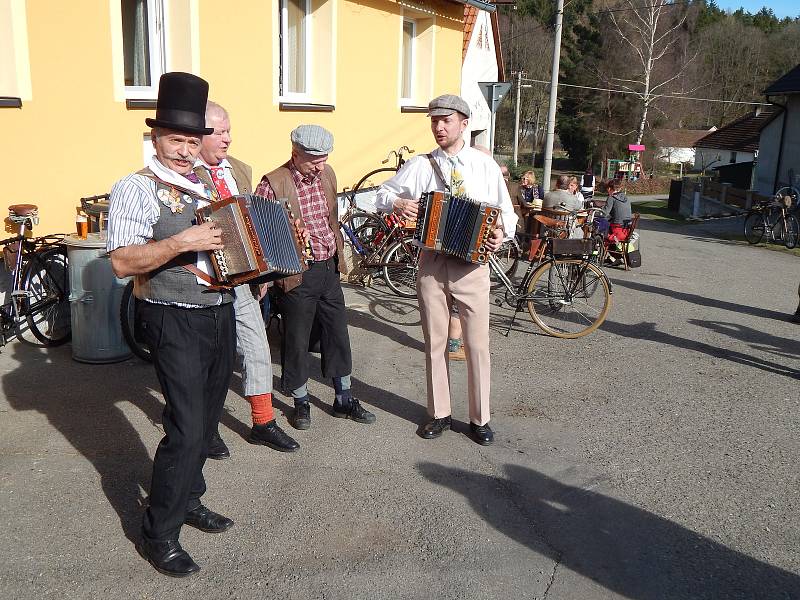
(781, 8)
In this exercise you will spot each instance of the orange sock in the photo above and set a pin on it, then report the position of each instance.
(261, 408)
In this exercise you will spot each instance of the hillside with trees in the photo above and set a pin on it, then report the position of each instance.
(658, 57)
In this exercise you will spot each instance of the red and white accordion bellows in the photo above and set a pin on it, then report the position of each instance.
(259, 237)
(455, 225)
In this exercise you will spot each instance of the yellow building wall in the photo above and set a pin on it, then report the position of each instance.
(73, 139)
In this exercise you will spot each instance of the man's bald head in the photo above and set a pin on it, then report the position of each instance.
(215, 145)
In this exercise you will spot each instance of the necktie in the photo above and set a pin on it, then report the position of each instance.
(456, 180)
(191, 176)
(218, 177)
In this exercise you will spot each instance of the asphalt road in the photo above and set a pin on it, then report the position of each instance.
(654, 459)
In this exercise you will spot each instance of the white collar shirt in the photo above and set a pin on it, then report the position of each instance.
(482, 181)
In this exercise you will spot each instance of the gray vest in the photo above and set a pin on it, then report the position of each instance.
(172, 282)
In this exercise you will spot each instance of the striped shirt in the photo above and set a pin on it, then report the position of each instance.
(314, 209)
(134, 209)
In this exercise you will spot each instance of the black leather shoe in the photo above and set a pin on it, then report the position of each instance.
(167, 557)
(207, 520)
(217, 450)
(355, 411)
(302, 416)
(482, 434)
(435, 428)
(269, 434)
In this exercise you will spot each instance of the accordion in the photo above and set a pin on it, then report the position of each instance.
(260, 239)
(455, 225)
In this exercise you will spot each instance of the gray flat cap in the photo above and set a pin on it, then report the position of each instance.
(313, 139)
(447, 104)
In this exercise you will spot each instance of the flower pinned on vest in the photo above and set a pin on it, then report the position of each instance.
(172, 199)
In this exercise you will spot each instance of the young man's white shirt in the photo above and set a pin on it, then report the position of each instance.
(483, 181)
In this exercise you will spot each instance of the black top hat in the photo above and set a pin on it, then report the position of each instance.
(181, 104)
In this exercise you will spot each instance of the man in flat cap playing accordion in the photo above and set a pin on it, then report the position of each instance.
(309, 184)
(445, 280)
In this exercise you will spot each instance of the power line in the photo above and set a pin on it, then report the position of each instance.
(599, 89)
(660, 5)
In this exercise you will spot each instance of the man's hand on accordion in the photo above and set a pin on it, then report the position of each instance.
(406, 208)
(494, 241)
(199, 237)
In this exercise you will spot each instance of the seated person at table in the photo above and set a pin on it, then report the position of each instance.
(561, 198)
(617, 211)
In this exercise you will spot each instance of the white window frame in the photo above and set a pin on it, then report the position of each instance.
(284, 50)
(404, 100)
(157, 49)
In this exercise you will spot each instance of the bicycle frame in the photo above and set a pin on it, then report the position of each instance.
(516, 296)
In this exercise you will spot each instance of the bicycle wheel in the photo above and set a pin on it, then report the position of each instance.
(46, 281)
(370, 233)
(401, 264)
(568, 298)
(754, 227)
(127, 319)
(364, 227)
(791, 232)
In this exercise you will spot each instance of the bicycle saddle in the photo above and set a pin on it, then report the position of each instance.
(23, 210)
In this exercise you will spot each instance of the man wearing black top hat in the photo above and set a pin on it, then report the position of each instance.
(188, 324)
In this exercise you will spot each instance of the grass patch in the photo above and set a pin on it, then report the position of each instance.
(656, 210)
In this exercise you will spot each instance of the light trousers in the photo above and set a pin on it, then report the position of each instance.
(251, 344)
(444, 279)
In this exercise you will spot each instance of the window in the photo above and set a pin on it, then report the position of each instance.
(15, 74)
(143, 44)
(733, 157)
(294, 49)
(407, 66)
(415, 58)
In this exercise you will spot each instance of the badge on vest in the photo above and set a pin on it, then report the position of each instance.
(172, 199)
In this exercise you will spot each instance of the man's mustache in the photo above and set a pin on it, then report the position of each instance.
(177, 157)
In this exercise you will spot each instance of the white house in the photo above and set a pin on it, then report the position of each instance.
(779, 148)
(736, 142)
(482, 60)
(676, 146)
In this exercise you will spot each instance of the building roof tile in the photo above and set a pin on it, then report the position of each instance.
(741, 135)
(678, 138)
(788, 84)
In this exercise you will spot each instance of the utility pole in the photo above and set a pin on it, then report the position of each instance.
(516, 116)
(551, 113)
(535, 136)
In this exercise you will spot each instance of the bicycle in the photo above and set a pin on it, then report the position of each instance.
(791, 191)
(772, 218)
(568, 295)
(364, 229)
(394, 256)
(40, 282)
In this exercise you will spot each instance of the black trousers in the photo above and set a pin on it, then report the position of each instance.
(320, 294)
(193, 351)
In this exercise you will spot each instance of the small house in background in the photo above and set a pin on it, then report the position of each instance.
(731, 150)
(676, 146)
(779, 146)
(734, 143)
(481, 60)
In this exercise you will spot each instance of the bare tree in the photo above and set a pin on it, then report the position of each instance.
(652, 31)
